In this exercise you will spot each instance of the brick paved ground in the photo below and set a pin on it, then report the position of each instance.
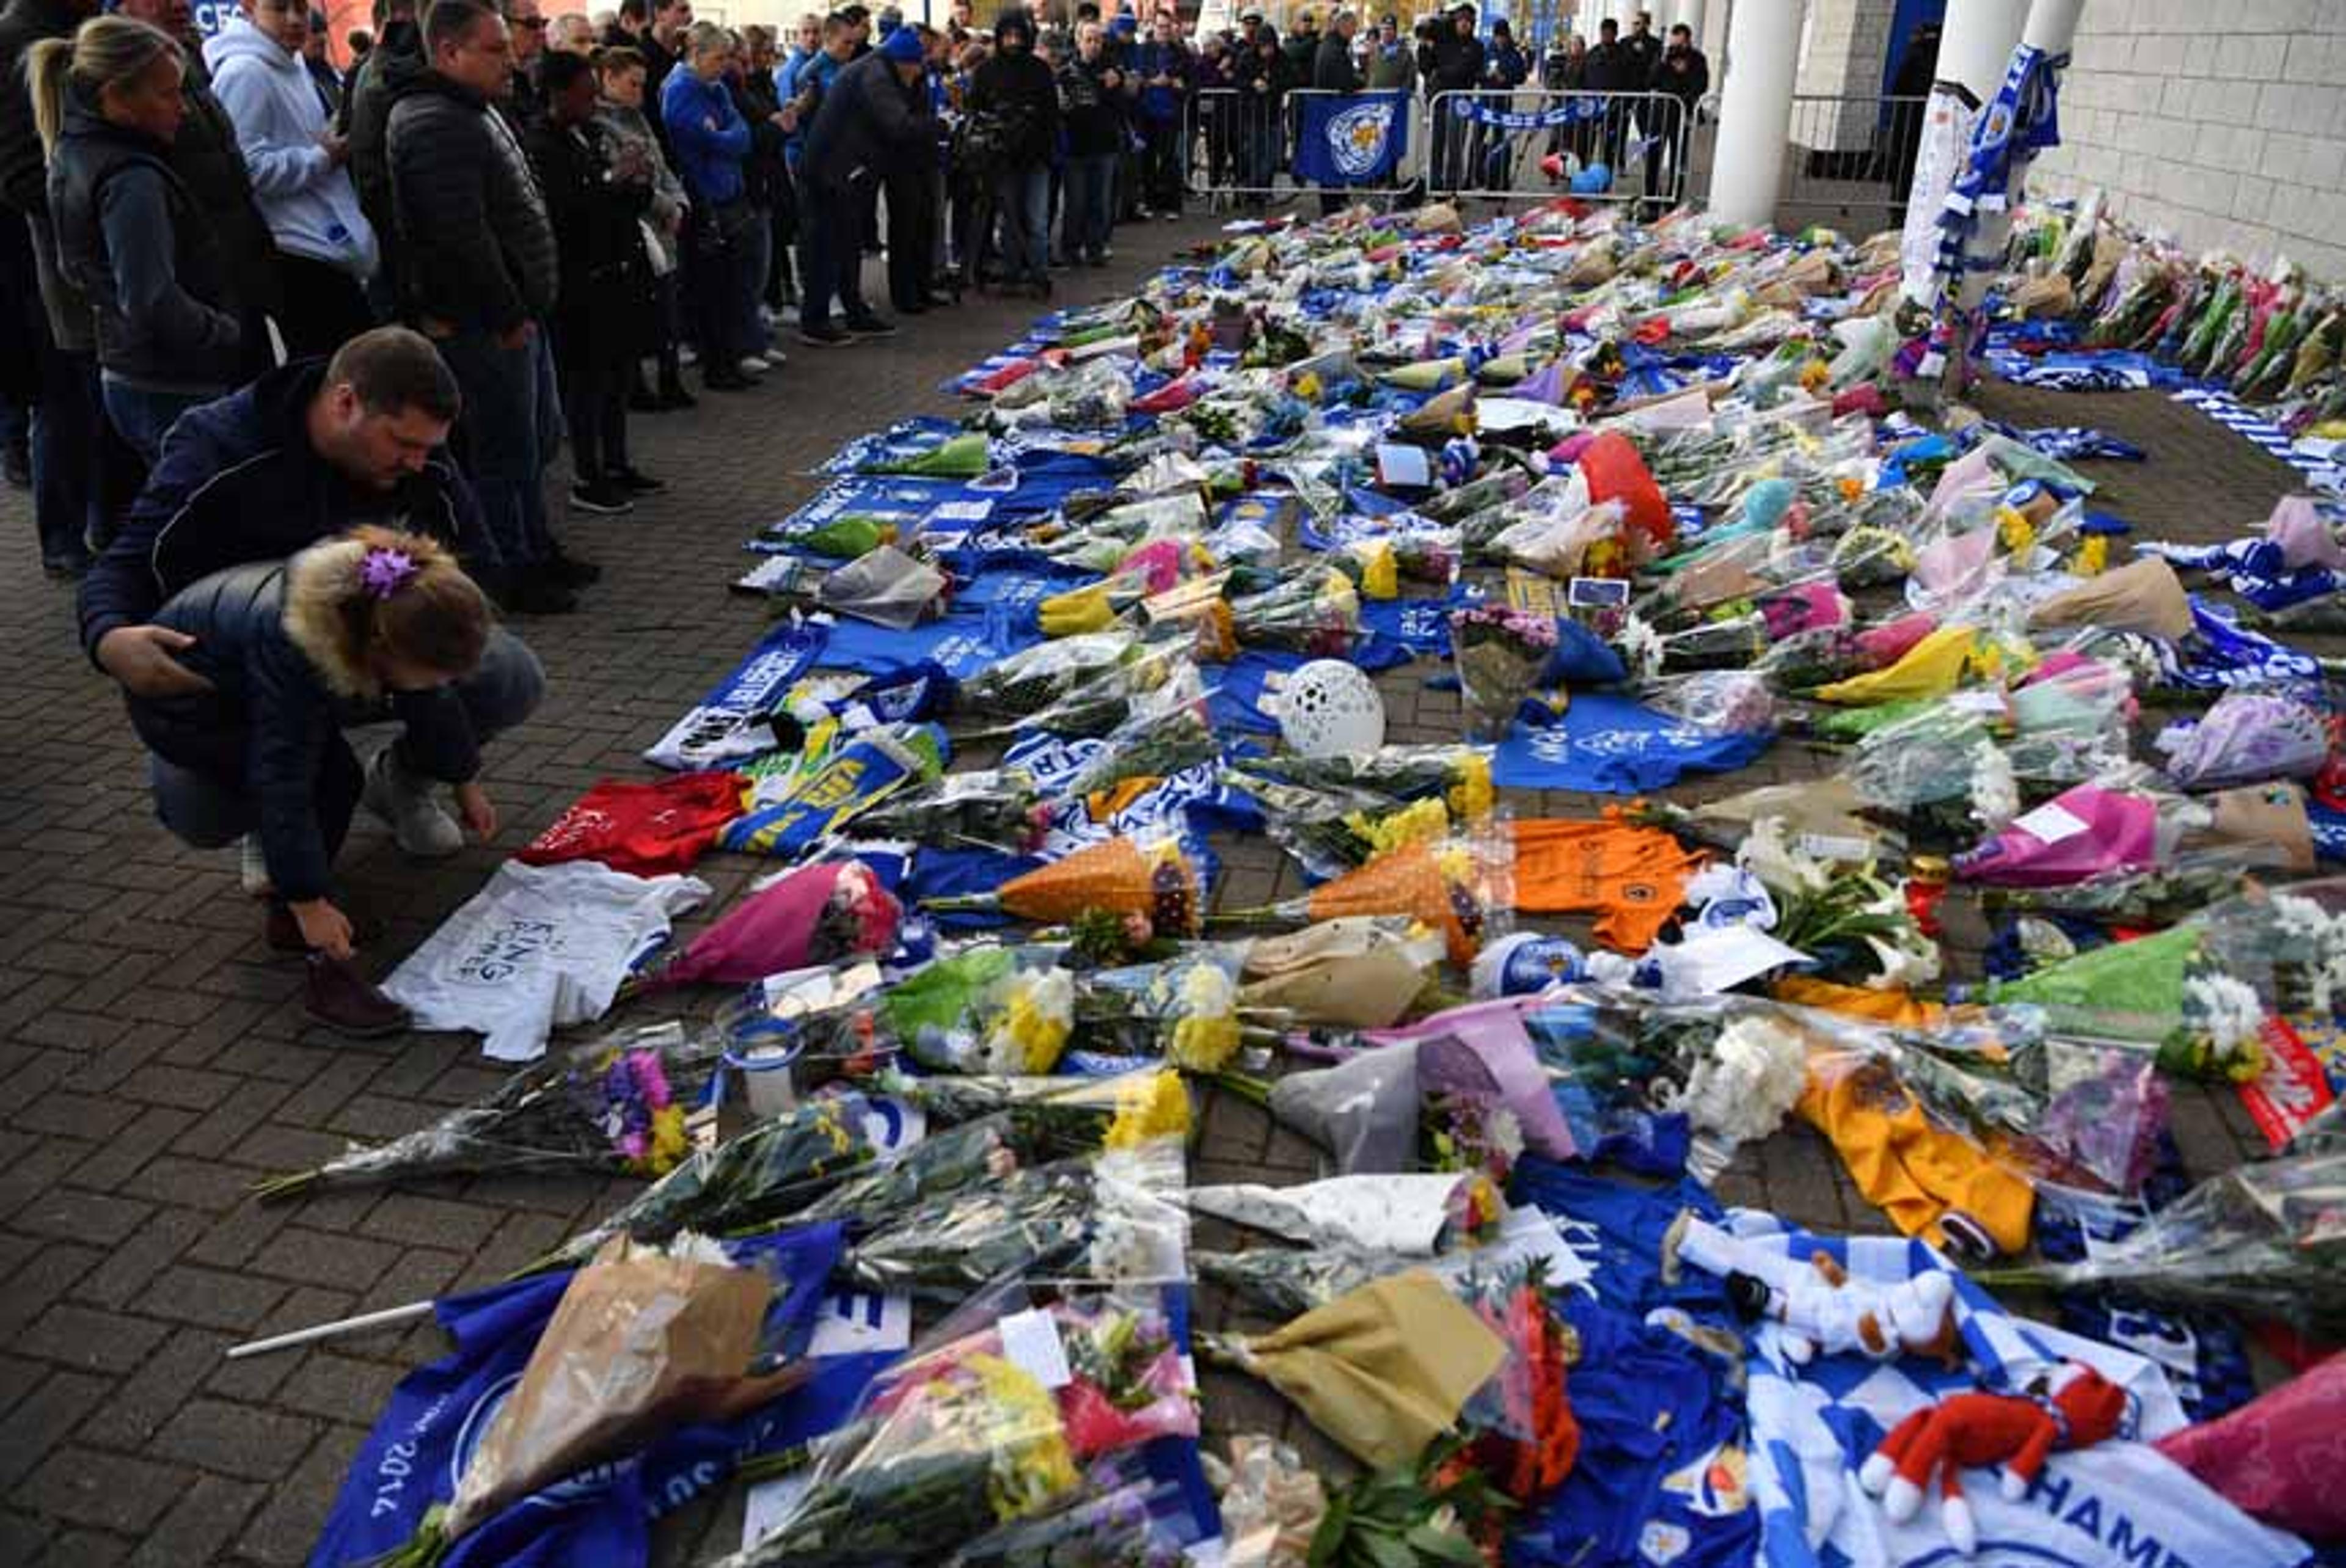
(155, 1062)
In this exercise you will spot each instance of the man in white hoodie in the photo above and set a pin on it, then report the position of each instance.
(325, 247)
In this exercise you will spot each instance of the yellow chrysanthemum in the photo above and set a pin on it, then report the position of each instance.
(1075, 611)
(1380, 570)
(1307, 387)
(1473, 798)
(668, 1145)
(1038, 1032)
(2093, 556)
(1033, 1465)
(1156, 1108)
(1814, 375)
(2015, 532)
(1421, 821)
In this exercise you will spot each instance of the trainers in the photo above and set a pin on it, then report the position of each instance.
(418, 826)
(825, 335)
(252, 868)
(336, 996)
(870, 325)
(635, 482)
(599, 495)
(753, 364)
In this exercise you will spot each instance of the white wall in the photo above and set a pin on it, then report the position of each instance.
(2222, 125)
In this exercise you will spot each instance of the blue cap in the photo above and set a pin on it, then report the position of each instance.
(902, 45)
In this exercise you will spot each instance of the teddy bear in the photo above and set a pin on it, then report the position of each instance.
(2074, 1408)
(1820, 1308)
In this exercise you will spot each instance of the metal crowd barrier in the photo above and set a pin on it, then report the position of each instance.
(1853, 156)
(1644, 138)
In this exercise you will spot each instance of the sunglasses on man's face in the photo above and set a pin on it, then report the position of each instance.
(535, 23)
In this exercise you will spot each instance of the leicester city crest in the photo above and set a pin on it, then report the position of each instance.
(1356, 137)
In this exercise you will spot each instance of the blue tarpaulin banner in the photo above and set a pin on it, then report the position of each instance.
(1351, 139)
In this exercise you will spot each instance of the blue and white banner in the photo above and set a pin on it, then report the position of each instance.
(438, 1415)
(1351, 139)
(1571, 111)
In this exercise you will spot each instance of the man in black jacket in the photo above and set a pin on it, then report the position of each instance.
(1685, 76)
(299, 455)
(389, 71)
(478, 275)
(1332, 71)
(866, 123)
(1454, 65)
(67, 423)
(1612, 70)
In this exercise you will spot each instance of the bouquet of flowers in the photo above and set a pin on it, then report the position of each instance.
(812, 915)
(1154, 881)
(1315, 611)
(619, 1104)
(1459, 887)
(769, 1173)
(2268, 1238)
(965, 1436)
(995, 1009)
(1185, 1009)
(1501, 654)
(1118, 1110)
(1460, 775)
(1168, 731)
(998, 807)
(1032, 679)
(1407, 1215)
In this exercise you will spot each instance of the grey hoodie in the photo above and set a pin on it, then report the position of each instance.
(310, 205)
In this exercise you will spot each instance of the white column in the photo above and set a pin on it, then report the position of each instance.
(1755, 111)
(1690, 12)
(1976, 44)
(2053, 25)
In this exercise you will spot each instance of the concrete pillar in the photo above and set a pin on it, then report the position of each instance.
(2053, 25)
(1976, 43)
(1755, 111)
(1690, 12)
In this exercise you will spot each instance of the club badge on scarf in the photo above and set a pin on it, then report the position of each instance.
(729, 723)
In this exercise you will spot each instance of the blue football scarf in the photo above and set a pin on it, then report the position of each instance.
(904, 502)
(728, 724)
(438, 1414)
(2252, 568)
(901, 443)
(858, 774)
(1617, 745)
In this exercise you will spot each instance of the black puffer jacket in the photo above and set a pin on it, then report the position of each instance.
(1018, 88)
(477, 249)
(282, 691)
(134, 242)
(389, 73)
(607, 280)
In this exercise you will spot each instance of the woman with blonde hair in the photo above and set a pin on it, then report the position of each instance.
(129, 234)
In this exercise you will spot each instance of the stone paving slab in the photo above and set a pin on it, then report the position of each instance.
(155, 1062)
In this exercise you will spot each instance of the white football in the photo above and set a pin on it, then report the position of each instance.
(1329, 708)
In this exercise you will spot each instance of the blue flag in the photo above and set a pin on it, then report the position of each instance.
(439, 1414)
(1351, 139)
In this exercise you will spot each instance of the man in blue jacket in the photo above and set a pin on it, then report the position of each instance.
(299, 455)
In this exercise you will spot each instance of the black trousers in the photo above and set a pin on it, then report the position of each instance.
(594, 381)
(322, 307)
(911, 236)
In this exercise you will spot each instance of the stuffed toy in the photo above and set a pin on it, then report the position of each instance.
(2075, 1408)
(1821, 1309)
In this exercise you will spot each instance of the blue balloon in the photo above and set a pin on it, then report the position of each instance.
(1594, 179)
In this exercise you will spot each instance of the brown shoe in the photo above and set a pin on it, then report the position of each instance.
(284, 933)
(338, 997)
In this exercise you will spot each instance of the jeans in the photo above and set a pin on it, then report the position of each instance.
(750, 268)
(208, 808)
(714, 271)
(68, 452)
(1091, 188)
(1023, 196)
(508, 429)
(1160, 164)
(142, 418)
(830, 257)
